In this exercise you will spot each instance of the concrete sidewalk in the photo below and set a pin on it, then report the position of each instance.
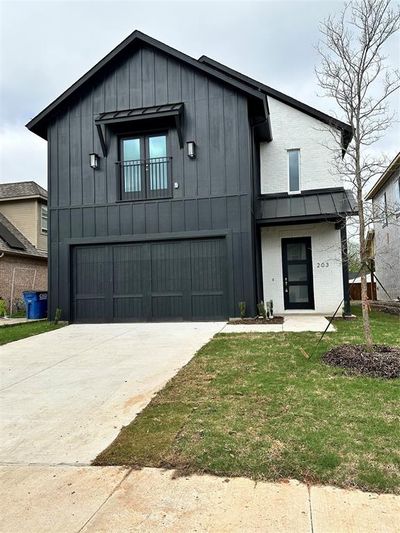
(66, 499)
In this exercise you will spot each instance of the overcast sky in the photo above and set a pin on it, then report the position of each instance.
(46, 46)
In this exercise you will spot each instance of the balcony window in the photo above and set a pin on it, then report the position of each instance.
(144, 169)
(43, 219)
(294, 170)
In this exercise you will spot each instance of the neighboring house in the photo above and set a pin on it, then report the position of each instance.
(385, 245)
(23, 240)
(179, 187)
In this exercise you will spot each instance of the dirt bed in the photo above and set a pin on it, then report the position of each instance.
(275, 320)
(383, 361)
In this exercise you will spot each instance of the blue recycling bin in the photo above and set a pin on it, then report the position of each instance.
(36, 304)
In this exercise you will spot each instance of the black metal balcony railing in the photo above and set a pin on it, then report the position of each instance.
(145, 179)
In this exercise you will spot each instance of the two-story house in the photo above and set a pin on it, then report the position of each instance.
(385, 196)
(179, 187)
(23, 240)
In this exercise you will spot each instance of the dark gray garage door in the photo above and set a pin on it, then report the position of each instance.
(169, 280)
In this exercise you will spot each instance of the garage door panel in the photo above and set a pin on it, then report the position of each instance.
(90, 271)
(129, 308)
(90, 264)
(168, 268)
(208, 265)
(167, 307)
(90, 310)
(128, 269)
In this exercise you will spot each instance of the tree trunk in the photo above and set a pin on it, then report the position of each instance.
(363, 251)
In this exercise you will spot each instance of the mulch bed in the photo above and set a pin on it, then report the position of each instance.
(383, 361)
(255, 320)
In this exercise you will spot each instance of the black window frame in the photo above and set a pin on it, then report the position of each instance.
(307, 241)
(145, 194)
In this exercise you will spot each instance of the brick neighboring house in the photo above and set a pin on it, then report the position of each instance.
(23, 240)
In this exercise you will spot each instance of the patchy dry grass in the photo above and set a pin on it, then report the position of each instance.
(253, 405)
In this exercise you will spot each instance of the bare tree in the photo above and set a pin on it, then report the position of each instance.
(353, 71)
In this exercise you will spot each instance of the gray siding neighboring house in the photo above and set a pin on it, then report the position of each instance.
(385, 196)
(149, 230)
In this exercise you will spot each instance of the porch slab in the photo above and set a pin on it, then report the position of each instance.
(292, 323)
(306, 323)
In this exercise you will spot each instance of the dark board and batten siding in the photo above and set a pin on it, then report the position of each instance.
(214, 189)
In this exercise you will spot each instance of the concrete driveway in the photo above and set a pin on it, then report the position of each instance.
(66, 394)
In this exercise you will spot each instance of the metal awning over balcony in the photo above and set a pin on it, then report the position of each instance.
(309, 206)
(119, 119)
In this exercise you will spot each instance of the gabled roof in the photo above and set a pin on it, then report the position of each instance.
(23, 189)
(14, 242)
(391, 169)
(39, 123)
(292, 102)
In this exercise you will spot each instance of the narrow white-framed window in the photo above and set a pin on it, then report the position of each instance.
(385, 218)
(43, 219)
(293, 170)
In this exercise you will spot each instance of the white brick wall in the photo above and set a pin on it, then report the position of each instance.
(326, 248)
(387, 242)
(294, 129)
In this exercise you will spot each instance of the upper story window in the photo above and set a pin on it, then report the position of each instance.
(144, 168)
(294, 170)
(43, 219)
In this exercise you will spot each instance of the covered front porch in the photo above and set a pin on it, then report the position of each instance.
(303, 251)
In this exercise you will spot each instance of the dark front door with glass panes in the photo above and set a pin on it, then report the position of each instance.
(145, 167)
(297, 273)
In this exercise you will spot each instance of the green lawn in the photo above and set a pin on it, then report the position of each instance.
(253, 405)
(27, 329)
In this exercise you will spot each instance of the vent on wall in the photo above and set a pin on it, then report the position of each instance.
(10, 239)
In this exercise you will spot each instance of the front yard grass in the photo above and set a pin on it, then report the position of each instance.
(252, 405)
(27, 329)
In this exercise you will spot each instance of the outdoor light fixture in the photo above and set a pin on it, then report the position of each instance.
(191, 149)
(94, 160)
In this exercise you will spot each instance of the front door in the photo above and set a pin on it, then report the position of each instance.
(297, 273)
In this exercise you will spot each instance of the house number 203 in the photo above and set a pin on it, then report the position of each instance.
(324, 264)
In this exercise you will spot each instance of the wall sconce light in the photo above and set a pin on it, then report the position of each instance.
(94, 160)
(191, 149)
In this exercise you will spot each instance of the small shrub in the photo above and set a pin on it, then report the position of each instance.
(242, 309)
(57, 316)
(3, 308)
(261, 310)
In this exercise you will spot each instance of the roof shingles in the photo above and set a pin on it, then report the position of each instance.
(29, 250)
(22, 189)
